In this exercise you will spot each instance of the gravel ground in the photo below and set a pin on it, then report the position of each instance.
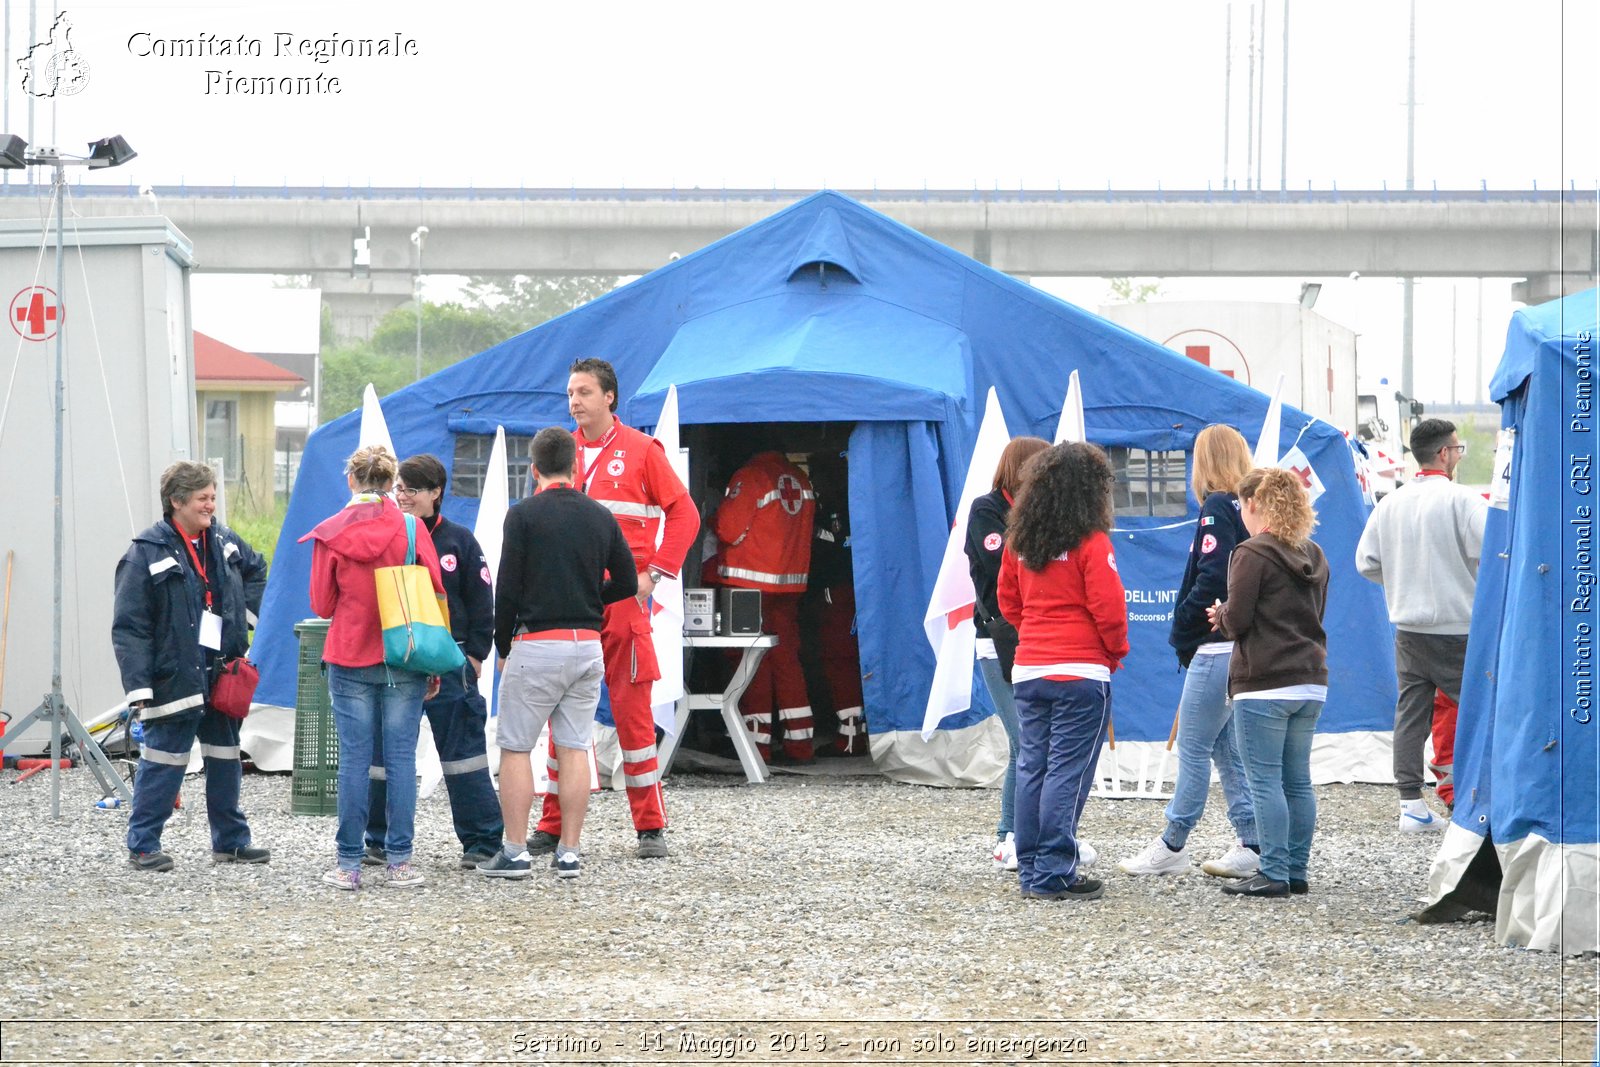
(814, 919)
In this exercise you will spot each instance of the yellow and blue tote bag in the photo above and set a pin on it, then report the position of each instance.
(415, 619)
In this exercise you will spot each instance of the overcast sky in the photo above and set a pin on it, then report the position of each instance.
(852, 94)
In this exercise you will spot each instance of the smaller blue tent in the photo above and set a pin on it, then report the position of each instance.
(828, 311)
(1523, 840)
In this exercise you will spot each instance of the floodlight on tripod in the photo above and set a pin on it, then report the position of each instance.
(15, 154)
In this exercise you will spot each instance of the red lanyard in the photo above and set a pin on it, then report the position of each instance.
(195, 559)
(587, 476)
(1428, 472)
(553, 485)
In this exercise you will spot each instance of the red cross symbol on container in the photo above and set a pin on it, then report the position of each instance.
(35, 313)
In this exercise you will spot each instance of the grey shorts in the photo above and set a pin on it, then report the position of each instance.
(557, 681)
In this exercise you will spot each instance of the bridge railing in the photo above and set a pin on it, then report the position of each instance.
(696, 194)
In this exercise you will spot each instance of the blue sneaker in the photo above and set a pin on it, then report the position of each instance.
(502, 866)
(568, 863)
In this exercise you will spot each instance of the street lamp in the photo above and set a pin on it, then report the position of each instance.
(418, 236)
(15, 155)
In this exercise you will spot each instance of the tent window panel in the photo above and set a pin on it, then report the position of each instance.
(472, 463)
(1149, 484)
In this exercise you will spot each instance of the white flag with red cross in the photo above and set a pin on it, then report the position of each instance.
(1071, 425)
(1298, 463)
(1266, 453)
(374, 428)
(666, 603)
(948, 622)
(489, 531)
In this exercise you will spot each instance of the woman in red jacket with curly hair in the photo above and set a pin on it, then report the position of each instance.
(1059, 587)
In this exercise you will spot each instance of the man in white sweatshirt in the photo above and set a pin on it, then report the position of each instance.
(1422, 544)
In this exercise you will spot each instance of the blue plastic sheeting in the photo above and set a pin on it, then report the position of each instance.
(829, 311)
(1528, 735)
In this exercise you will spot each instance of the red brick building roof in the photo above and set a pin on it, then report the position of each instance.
(216, 362)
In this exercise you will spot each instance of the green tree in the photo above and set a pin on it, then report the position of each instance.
(1477, 466)
(524, 302)
(1132, 290)
(450, 333)
(492, 310)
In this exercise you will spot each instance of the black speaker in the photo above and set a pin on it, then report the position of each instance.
(741, 611)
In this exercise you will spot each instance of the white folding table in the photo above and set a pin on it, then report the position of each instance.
(755, 647)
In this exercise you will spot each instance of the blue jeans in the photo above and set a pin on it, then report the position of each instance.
(163, 758)
(457, 717)
(1205, 735)
(1275, 740)
(368, 703)
(1062, 725)
(1005, 706)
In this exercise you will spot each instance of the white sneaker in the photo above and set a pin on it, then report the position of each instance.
(1005, 853)
(1417, 818)
(1237, 862)
(1087, 854)
(1157, 858)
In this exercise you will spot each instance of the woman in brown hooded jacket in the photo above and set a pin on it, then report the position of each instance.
(1278, 677)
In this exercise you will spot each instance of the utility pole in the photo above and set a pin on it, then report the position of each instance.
(1227, 86)
(1250, 107)
(1477, 374)
(1261, 99)
(1283, 143)
(1409, 287)
(419, 235)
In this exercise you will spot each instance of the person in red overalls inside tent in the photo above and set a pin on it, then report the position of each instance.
(764, 527)
(627, 472)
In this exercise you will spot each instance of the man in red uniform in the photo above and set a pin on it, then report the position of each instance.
(627, 472)
(764, 527)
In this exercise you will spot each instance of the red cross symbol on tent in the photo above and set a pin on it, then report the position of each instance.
(35, 313)
(1304, 474)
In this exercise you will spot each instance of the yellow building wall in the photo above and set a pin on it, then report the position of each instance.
(250, 487)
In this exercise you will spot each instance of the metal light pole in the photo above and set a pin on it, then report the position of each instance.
(418, 236)
(111, 152)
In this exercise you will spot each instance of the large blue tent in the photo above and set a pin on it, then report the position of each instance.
(828, 311)
(1523, 839)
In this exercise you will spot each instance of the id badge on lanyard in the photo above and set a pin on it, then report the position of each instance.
(210, 622)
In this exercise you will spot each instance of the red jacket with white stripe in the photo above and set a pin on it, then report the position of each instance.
(1072, 611)
(632, 479)
(764, 526)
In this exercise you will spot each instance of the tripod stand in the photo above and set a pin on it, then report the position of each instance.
(13, 155)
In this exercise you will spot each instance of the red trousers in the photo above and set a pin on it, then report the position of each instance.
(779, 684)
(841, 665)
(1444, 747)
(630, 658)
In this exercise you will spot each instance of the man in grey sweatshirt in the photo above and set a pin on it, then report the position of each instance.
(1422, 544)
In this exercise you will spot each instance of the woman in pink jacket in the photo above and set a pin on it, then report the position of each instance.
(369, 699)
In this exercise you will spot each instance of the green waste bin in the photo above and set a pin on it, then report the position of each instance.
(314, 788)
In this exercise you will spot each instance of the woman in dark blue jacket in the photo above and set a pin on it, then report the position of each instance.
(1205, 729)
(997, 638)
(182, 593)
(457, 715)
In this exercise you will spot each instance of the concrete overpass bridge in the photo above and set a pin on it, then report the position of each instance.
(1547, 237)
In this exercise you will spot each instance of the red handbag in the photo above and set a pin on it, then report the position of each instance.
(235, 687)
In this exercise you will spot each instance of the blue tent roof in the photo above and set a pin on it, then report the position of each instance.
(829, 311)
(1527, 762)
